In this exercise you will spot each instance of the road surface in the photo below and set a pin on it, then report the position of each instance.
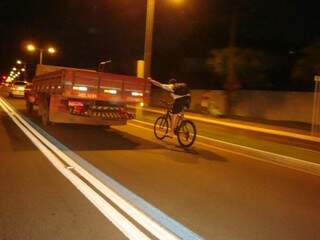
(215, 194)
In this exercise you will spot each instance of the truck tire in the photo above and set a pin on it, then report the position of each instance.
(45, 112)
(29, 107)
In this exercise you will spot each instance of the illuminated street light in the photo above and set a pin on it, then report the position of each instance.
(51, 50)
(32, 48)
(14, 69)
(23, 67)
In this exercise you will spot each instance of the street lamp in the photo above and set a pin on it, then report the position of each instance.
(51, 50)
(102, 65)
(32, 48)
(23, 67)
(21, 63)
(149, 36)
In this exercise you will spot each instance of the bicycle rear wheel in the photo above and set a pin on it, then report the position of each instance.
(161, 127)
(186, 133)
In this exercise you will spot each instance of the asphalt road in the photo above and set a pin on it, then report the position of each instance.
(37, 202)
(216, 194)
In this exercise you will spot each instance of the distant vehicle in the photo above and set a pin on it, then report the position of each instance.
(17, 89)
(81, 96)
(7, 84)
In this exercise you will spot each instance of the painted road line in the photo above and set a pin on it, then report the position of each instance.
(124, 225)
(241, 126)
(130, 210)
(278, 159)
(160, 228)
(178, 229)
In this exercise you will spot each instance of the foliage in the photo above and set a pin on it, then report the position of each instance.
(249, 66)
(308, 64)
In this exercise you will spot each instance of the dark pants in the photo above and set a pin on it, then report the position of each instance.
(180, 103)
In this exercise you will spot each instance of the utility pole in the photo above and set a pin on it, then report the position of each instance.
(232, 82)
(41, 55)
(148, 38)
(315, 130)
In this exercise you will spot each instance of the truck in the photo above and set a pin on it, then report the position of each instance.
(81, 96)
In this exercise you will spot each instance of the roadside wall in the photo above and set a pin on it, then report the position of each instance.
(283, 106)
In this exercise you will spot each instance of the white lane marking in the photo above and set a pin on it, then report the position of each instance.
(146, 123)
(224, 142)
(242, 126)
(148, 223)
(124, 225)
(269, 157)
(231, 144)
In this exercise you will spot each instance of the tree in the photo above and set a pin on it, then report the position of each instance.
(238, 67)
(307, 65)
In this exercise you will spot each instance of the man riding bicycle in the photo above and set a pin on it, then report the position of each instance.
(181, 96)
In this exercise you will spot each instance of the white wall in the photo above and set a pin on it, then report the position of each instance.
(271, 105)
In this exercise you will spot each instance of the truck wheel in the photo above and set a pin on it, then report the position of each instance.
(29, 107)
(45, 112)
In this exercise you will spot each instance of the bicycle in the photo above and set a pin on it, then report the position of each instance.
(185, 129)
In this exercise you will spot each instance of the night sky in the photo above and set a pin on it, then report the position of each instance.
(87, 32)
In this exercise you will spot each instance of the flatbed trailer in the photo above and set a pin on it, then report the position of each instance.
(80, 96)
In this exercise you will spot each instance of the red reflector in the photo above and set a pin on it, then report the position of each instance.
(75, 104)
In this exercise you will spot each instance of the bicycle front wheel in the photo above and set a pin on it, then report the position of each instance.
(186, 133)
(161, 127)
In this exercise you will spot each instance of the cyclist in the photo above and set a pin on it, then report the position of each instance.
(181, 96)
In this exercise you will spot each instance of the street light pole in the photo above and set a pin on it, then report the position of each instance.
(315, 129)
(148, 38)
(32, 48)
(41, 55)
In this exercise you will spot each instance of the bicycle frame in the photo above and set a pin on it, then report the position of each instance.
(169, 113)
(182, 132)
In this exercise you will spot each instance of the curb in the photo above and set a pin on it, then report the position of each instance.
(261, 155)
(269, 157)
(240, 126)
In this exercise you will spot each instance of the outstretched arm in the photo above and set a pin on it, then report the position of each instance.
(167, 87)
(156, 83)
